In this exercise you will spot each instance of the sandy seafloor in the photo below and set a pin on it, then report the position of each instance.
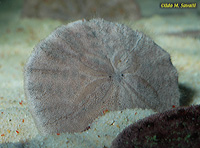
(18, 37)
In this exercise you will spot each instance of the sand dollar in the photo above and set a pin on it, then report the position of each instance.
(177, 127)
(86, 67)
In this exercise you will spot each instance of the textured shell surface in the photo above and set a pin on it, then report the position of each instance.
(86, 67)
(177, 127)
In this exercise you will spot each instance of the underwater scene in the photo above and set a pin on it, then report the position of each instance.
(99, 74)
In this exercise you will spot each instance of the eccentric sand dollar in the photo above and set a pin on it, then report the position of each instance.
(86, 67)
(177, 127)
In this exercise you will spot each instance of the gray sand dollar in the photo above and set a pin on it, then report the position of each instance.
(86, 67)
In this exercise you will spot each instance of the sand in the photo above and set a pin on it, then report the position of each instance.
(18, 36)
